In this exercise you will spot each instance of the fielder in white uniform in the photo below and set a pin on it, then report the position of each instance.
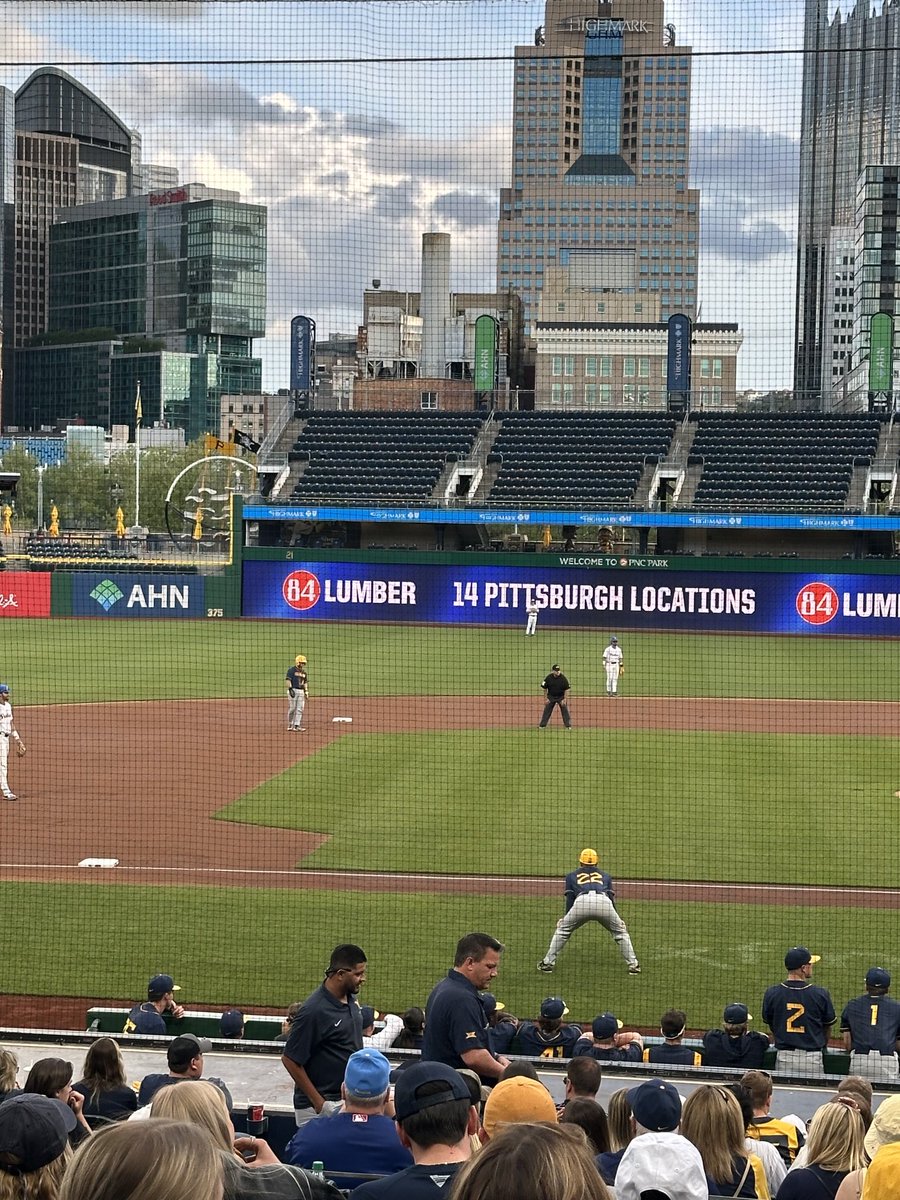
(531, 623)
(613, 661)
(7, 732)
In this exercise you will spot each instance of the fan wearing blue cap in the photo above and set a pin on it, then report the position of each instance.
(549, 1036)
(870, 1027)
(800, 1015)
(360, 1139)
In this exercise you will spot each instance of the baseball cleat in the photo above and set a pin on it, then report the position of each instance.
(634, 969)
(545, 967)
(11, 796)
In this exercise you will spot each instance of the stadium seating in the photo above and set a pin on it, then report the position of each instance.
(574, 458)
(780, 460)
(47, 450)
(379, 456)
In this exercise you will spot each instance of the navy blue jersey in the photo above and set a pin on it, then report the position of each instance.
(873, 1023)
(587, 879)
(145, 1018)
(534, 1043)
(585, 1047)
(799, 1014)
(748, 1050)
(667, 1053)
(500, 1036)
(297, 678)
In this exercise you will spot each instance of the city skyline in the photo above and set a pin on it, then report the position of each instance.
(355, 160)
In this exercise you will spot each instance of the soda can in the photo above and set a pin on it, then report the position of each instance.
(255, 1112)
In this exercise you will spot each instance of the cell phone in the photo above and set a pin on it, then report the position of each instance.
(249, 1154)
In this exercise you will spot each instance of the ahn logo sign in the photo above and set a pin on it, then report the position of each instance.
(138, 596)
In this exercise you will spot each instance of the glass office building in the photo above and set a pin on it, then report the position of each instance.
(600, 161)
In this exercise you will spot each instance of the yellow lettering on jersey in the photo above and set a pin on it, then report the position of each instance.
(584, 877)
(796, 1011)
(874, 1011)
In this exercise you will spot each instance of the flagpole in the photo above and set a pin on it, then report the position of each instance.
(138, 414)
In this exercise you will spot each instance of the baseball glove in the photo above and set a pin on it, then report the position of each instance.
(291, 693)
(621, 671)
(20, 749)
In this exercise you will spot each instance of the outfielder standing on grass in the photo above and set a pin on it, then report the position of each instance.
(7, 731)
(590, 897)
(297, 682)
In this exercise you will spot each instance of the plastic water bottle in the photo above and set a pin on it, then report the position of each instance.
(318, 1168)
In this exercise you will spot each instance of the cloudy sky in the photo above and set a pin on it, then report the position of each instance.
(363, 124)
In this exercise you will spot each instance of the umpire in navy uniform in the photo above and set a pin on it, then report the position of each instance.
(870, 1026)
(556, 691)
(800, 1015)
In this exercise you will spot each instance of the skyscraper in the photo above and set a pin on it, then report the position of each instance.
(601, 152)
(850, 120)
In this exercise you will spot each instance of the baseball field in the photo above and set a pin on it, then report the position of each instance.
(741, 791)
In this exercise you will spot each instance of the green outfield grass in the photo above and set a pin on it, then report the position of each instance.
(53, 661)
(661, 805)
(247, 947)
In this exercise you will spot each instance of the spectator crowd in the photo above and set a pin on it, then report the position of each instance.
(465, 1119)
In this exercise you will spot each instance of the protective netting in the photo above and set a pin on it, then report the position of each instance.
(738, 789)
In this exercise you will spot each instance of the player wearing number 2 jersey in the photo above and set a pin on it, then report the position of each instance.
(589, 897)
(870, 1026)
(800, 1015)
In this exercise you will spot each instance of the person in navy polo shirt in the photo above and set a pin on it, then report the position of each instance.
(870, 1026)
(325, 1032)
(799, 1015)
(455, 1023)
(360, 1139)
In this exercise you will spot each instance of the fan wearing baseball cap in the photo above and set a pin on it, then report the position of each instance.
(589, 896)
(655, 1107)
(800, 1015)
(436, 1122)
(361, 1138)
(734, 1045)
(870, 1027)
(149, 1016)
(607, 1043)
(549, 1036)
(34, 1142)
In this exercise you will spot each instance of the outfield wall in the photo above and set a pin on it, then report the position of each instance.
(814, 601)
(113, 594)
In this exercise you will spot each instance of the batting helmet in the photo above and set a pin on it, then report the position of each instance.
(4, 688)
(613, 640)
(588, 857)
(301, 658)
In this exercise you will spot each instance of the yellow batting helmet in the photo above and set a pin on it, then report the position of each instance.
(588, 857)
(301, 658)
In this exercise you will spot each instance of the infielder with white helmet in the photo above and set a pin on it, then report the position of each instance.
(613, 661)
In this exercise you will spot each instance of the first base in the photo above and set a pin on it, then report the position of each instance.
(342, 720)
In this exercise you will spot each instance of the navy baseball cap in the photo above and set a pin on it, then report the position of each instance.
(878, 977)
(799, 956)
(35, 1129)
(426, 1084)
(553, 1008)
(605, 1025)
(231, 1023)
(491, 1003)
(367, 1012)
(367, 1074)
(656, 1105)
(4, 688)
(556, 667)
(736, 1014)
(159, 985)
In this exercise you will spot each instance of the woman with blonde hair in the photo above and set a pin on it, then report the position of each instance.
(532, 1162)
(9, 1069)
(711, 1119)
(146, 1160)
(107, 1096)
(251, 1167)
(834, 1148)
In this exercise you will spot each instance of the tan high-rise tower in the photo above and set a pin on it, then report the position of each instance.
(601, 152)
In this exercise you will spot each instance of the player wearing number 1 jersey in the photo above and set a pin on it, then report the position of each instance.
(870, 1026)
(800, 1014)
(590, 897)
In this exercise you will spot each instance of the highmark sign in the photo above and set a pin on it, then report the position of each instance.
(603, 26)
